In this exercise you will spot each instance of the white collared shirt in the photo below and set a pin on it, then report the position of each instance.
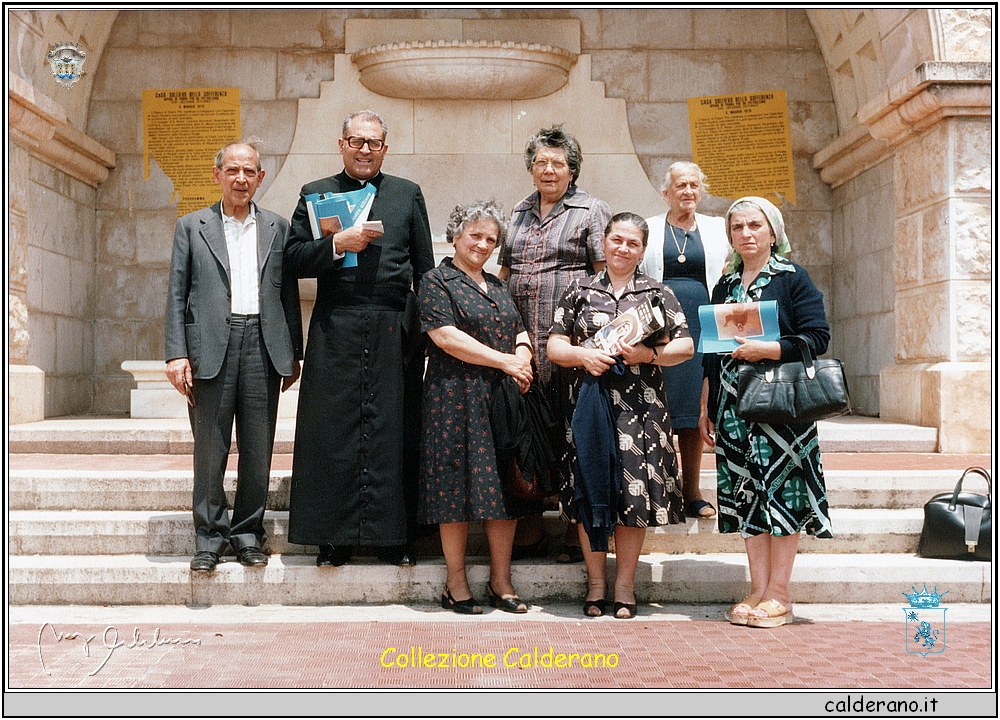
(241, 244)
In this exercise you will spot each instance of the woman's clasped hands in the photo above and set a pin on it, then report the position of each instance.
(518, 368)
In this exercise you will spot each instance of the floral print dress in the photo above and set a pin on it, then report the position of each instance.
(770, 477)
(649, 494)
(459, 477)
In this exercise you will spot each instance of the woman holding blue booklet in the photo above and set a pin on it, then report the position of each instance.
(770, 478)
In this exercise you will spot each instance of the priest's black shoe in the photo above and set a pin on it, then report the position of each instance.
(333, 555)
(205, 561)
(397, 554)
(251, 556)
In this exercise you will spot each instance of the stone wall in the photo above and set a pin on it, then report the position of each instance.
(864, 288)
(653, 59)
(61, 290)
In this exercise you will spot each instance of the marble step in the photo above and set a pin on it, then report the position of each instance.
(159, 533)
(170, 489)
(295, 580)
(103, 435)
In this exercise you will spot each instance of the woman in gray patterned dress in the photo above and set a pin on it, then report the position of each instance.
(770, 477)
(648, 492)
(554, 238)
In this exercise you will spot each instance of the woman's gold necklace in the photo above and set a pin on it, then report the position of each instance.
(681, 258)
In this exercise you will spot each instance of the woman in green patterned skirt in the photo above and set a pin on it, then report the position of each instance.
(770, 478)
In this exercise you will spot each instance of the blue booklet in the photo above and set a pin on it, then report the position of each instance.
(329, 213)
(721, 324)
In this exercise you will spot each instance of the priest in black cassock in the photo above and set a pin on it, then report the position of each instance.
(356, 438)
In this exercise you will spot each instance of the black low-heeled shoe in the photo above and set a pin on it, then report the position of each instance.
(333, 555)
(536, 549)
(632, 608)
(511, 604)
(462, 607)
(600, 604)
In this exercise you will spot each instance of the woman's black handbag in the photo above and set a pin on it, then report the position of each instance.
(521, 428)
(802, 391)
(959, 525)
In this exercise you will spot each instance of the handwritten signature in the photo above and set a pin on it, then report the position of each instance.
(110, 642)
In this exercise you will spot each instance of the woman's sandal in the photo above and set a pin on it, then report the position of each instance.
(462, 607)
(700, 509)
(569, 554)
(588, 605)
(632, 608)
(512, 604)
(777, 614)
(740, 618)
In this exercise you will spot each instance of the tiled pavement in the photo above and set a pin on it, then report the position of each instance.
(678, 647)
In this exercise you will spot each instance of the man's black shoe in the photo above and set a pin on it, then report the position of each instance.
(205, 561)
(397, 555)
(333, 555)
(251, 556)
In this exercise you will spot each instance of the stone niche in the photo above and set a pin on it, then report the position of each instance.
(464, 69)
(467, 143)
(460, 150)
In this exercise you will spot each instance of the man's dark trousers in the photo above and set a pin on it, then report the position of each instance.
(247, 390)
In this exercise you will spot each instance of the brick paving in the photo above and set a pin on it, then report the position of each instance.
(642, 653)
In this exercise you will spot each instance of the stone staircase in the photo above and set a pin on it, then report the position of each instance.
(99, 514)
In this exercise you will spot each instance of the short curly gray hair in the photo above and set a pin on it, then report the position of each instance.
(555, 137)
(463, 215)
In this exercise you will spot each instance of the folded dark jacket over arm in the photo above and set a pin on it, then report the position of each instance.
(597, 466)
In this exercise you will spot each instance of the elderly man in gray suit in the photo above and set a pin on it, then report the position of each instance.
(233, 336)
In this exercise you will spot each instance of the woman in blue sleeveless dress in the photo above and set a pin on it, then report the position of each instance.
(687, 251)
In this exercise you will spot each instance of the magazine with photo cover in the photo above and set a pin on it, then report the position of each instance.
(722, 324)
(632, 326)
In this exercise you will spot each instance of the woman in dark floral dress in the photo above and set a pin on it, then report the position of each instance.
(649, 494)
(476, 337)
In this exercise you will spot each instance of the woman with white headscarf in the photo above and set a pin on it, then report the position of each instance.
(770, 477)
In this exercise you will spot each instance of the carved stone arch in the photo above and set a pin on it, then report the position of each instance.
(851, 44)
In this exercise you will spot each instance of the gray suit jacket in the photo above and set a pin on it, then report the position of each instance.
(198, 296)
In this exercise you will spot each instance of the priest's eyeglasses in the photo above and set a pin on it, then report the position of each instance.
(374, 144)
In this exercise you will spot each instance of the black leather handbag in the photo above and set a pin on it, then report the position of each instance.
(959, 525)
(801, 391)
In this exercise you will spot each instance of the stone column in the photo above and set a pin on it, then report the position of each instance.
(941, 128)
(37, 128)
(26, 383)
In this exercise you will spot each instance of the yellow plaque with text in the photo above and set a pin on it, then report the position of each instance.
(184, 129)
(743, 144)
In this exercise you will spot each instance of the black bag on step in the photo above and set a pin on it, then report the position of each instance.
(959, 525)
